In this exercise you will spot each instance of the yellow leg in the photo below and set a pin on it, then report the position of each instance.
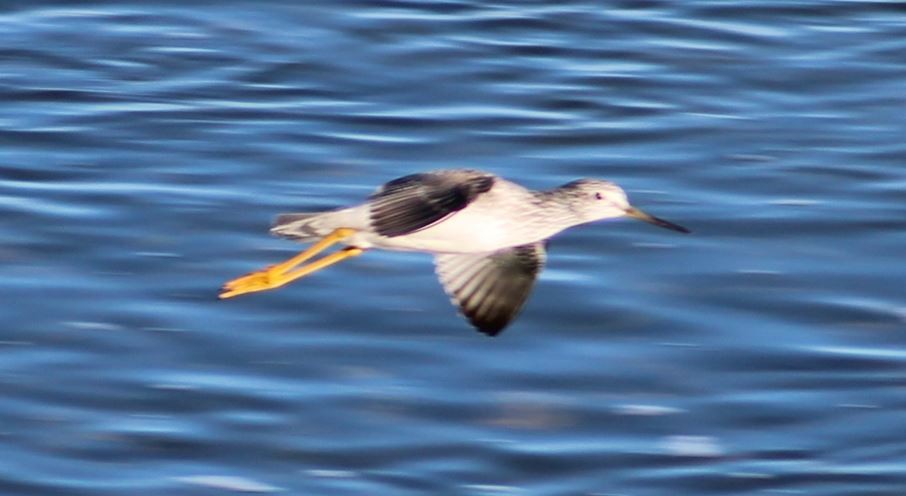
(322, 263)
(282, 273)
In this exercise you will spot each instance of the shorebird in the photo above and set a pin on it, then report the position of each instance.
(488, 235)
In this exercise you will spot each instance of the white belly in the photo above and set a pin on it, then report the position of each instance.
(464, 232)
(459, 233)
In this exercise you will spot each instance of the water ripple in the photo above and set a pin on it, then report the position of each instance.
(145, 152)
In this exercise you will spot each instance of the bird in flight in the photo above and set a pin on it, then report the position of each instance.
(487, 234)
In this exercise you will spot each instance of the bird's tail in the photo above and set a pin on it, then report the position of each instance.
(297, 226)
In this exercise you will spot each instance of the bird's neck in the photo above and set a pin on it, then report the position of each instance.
(556, 208)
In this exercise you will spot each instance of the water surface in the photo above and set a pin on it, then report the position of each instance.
(144, 151)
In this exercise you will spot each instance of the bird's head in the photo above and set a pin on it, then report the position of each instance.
(596, 199)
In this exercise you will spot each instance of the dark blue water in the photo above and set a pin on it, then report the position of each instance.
(144, 151)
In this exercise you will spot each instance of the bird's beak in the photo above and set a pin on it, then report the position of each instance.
(638, 214)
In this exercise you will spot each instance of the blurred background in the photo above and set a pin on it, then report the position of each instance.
(145, 149)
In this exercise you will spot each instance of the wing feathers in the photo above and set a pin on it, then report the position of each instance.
(412, 203)
(490, 289)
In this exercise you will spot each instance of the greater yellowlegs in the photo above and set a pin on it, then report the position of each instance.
(487, 235)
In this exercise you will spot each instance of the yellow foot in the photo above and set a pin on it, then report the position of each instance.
(252, 282)
(283, 273)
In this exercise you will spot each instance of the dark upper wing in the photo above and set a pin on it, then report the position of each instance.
(490, 289)
(414, 202)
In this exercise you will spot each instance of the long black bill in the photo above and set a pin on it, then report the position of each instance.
(638, 214)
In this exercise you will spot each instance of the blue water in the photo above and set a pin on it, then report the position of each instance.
(145, 149)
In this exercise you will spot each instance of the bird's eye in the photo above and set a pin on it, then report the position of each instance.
(599, 196)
